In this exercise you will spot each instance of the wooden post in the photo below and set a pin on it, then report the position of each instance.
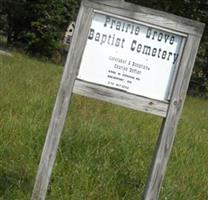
(61, 107)
(168, 129)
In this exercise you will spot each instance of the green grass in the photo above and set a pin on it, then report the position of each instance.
(105, 150)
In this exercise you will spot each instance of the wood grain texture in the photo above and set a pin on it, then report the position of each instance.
(168, 129)
(61, 105)
(121, 98)
(153, 17)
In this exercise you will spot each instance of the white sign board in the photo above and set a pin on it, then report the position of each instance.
(130, 56)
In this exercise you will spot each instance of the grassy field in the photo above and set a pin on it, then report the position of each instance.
(105, 150)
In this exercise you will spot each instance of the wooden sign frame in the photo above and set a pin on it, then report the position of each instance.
(169, 110)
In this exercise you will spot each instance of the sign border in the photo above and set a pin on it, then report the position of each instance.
(123, 98)
(170, 111)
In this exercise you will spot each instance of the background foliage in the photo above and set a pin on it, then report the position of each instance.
(38, 27)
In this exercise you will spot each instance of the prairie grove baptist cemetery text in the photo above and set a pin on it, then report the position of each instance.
(136, 46)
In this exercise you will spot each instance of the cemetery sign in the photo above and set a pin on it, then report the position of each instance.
(132, 56)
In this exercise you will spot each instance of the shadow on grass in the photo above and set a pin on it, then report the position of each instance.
(14, 181)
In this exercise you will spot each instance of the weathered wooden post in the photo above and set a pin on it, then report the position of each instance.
(61, 106)
(145, 60)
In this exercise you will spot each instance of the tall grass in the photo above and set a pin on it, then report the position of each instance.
(105, 150)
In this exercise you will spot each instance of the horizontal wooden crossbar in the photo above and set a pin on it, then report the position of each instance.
(121, 98)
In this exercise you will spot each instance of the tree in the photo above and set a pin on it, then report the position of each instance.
(37, 25)
(12, 18)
